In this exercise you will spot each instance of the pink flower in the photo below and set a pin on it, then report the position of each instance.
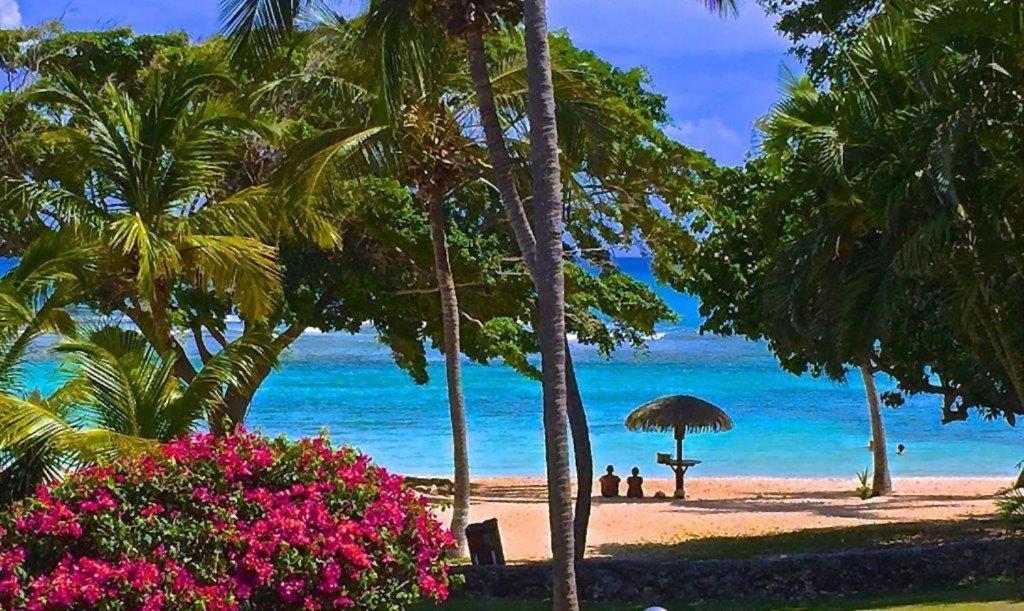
(152, 510)
(290, 589)
(153, 602)
(101, 500)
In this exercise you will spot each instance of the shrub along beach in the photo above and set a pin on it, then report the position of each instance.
(467, 246)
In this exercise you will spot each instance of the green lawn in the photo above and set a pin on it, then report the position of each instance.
(813, 540)
(993, 596)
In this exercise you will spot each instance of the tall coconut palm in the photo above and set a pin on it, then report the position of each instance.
(435, 168)
(424, 146)
(550, 284)
(544, 162)
(472, 21)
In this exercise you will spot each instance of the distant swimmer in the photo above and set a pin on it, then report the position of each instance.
(900, 449)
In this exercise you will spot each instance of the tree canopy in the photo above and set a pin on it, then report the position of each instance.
(179, 183)
(883, 220)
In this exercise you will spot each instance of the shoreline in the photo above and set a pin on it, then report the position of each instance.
(724, 507)
(535, 478)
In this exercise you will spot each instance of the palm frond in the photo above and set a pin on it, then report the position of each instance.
(243, 268)
(257, 28)
(305, 167)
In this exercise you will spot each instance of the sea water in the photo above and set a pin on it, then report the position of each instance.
(785, 425)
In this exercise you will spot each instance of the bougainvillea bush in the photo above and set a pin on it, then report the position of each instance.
(232, 522)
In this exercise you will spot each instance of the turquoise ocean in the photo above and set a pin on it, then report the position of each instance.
(784, 425)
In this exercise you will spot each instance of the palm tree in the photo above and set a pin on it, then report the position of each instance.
(123, 397)
(31, 305)
(425, 146)
(807, 119)
(550, 284)
(881, 482)
(435, 167)
(472, 23)
(549, 280)
(35, 294)
(149, 202)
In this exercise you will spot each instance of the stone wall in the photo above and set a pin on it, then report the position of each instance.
(795, 577)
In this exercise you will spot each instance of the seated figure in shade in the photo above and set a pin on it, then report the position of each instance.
(609, 483)
(634, 485)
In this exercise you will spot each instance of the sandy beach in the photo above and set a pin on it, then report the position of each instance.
(725, 507)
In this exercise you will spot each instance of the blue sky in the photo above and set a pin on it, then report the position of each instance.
(719, 74)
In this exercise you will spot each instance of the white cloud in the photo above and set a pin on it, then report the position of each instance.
(10, 16)
(713, 136)
(665, 28)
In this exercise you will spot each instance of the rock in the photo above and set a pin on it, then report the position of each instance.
(796, 577)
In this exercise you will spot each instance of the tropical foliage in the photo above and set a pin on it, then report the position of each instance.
(188, 188)
(230, 522)
(461, 179)
(882, 223)
(122, 398)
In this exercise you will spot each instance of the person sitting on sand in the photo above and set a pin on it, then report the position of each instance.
(610, 483)
(634, 485)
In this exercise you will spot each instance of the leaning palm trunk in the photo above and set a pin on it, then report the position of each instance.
(584, 456)
(550, 284)
(238, 397)
(453, 371)
(881, 483)
(514, 209)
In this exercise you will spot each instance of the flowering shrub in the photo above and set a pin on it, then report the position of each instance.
(235, 522)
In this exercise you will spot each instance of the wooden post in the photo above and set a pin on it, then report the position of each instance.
(678, 468)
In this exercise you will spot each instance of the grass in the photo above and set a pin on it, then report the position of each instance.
(992, 596)
(813, 540)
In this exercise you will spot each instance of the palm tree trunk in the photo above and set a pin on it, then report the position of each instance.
(453, 372)
(238, 398)
(163, 342)
(518, 220)
(496, 150)
(550, 283)
(584, 455)
(881, 483)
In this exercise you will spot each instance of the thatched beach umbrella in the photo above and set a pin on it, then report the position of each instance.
(682, 414)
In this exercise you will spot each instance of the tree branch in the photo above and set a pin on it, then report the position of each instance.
(197, 333)
(429, 290)
(218, 336)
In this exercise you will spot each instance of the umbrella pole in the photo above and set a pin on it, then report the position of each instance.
(678, 468)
